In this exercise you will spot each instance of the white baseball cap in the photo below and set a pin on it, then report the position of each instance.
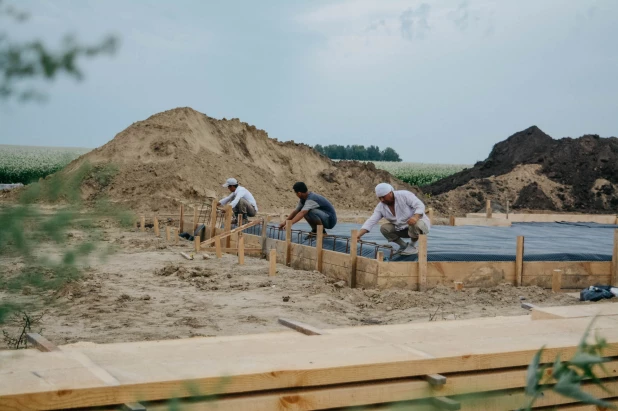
(230, 182)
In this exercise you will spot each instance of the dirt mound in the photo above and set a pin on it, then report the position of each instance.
(535, 172)
(182, 156)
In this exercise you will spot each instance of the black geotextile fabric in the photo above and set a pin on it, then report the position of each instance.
(560, 241)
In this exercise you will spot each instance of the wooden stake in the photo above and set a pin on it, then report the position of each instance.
(614, 269)
(272, 266)
(218, 248)
(142, 226)
(507, 208)
(519, 261)
(318, 248)
(181, 223)
(556, 281)
(156, 226)
(228, 224)
(422, 262)
(213, 219)
(168, 234)
(194, 218)
(459, 286)
(288, 242)
(430, 215)
(451, 220)
(176, 237)
(241, 249)
(196, 240)
(488, 208)
(353, 257)
(264, 235)
(380, 258)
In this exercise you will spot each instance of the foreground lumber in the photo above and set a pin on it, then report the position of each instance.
(159, 370)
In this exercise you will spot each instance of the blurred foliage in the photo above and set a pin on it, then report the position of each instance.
(21, 62)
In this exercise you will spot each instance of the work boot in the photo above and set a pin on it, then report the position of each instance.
(409, 250)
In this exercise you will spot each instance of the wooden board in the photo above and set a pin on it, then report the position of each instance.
(575, 311)
(549, 218)
(482, 221)
(472, 274)
(162, 369)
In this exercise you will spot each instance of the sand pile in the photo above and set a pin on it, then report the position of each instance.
(535, 172)
(182, 155)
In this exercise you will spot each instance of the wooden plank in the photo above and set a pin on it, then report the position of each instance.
(422, 262)
(232, 250)
(481, 221)
(181, 223)
(228, 224)
(550, 218)
(272, 266)
(488, 209)
(471, 273)
(227, 234)
(556, 281)
(288, 242)
(614, 266)
(213, 219)
(241, 249)
(335, 258)
(318, 247)
(519, 261)
(353, 257)
(301, 327)
(41, 343)
(142, 226)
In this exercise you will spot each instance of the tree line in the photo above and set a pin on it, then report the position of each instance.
(356, 152)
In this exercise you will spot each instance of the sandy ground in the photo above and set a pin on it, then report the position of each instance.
(147, 291)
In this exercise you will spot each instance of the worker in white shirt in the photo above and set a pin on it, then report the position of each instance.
(242, 201)
(405, 214)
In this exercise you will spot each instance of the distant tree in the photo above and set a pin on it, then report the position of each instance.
(373, 153)
(319, 149)
(359, 153)
(390, 155)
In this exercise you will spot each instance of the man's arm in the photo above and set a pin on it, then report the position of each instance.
(290, 217)
(417, 205)
(371, 221)
(225, 200)
(239, 193)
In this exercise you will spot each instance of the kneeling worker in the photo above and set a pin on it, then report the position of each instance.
(313, 207)
(405, 214)
(242, 201)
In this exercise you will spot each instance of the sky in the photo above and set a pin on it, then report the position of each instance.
(440, 81)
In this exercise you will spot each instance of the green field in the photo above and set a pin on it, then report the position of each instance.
(420, 174)
(25, 164)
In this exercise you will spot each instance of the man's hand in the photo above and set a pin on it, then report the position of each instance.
(362, 232)
(282, 224)
(413, 220)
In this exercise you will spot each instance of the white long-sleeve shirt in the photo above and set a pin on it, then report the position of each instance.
(239, 193)
(406, 205)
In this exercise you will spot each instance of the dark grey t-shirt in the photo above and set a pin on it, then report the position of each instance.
(316, 201)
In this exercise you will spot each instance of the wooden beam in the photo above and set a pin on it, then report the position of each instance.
(241, 249)
(226, 234)
(519, 261)
(614, 266)
(213, 219)
(556, 281)
(445, 403)
(272, 266)
(168, 234)
(353, 257)
(301, 327)
(318, 248)
(228, 224)
(288, 242)
(435, 380)
(142, 226)
(195, 218)
(488, 209)
(422, 262)
(41, 343)
(181, 223)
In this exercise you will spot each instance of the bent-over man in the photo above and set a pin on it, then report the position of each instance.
(405, 214)
(312, 207)
(241, 199)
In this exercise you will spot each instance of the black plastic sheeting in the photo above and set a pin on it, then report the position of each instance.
(560, 241)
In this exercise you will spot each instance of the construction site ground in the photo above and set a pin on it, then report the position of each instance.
(146, 290)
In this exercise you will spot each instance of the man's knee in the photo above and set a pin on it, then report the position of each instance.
(387, 229)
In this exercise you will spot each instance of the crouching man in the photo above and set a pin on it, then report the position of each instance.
(405, 214)
(242, 201)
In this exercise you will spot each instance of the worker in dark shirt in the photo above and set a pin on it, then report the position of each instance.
(312, 207)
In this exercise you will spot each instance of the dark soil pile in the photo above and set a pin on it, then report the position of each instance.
(535, 172)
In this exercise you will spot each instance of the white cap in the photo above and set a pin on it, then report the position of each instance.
(383, 189)
(230, 182)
